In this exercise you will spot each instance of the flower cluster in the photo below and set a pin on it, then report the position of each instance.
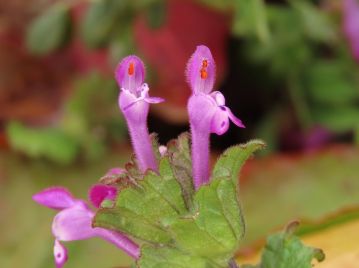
(208, 114)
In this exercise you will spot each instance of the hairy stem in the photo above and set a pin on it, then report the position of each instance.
(200, 156)
(142, 145)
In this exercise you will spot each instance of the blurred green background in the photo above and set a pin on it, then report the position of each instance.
(286, 67)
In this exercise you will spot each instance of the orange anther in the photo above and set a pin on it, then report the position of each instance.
(131, 68)
(204, 73)
(204, 63)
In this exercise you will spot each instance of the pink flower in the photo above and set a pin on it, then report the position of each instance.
(351, 25)
(74, 221)
(207, 111)
(134, 103)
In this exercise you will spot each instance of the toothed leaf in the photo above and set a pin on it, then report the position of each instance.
(215, 227)
(124, 220)
(285, 250)
(231, 161)
(151, 205)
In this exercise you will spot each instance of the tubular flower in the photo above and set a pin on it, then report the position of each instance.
(134, 103)
(74, 222)
(351, 25)
(207, 111)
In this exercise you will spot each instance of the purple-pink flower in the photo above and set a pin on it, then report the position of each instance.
(134, 103)
(207, 111)
(351, 25)
(74, 221)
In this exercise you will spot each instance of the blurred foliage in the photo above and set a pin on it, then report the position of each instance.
(306, 52)
(50, 143)
(50, 31)
(88, 124)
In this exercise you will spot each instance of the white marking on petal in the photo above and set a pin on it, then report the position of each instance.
(60, 254)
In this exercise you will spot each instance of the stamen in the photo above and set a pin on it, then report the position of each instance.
(204, 63)
(204, 73)
(131, 68)
(203, 70)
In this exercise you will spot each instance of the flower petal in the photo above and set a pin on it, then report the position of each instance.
(163, 150)
(220, 122)
(60, 254)
(201, 110)
(351, 25)
(154, 100)
(130, 73)
(55, 198)
(234, 119)
(121, 241)
(73, 223)
(219, 98)
(100, 192)
(133, 108)
(201, 70)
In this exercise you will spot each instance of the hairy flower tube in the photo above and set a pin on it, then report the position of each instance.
(207, 111)
(134, 103)
(351, 25)
(74, 220)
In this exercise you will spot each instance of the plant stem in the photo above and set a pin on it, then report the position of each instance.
(142, 145)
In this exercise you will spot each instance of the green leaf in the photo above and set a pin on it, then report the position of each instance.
(163, 257)
(288, 50)
(316, 23)
(223, 5)
(180, 157)
(49, 31)
(156, 14)
(285, 250)
(157, 200)
(124, 220)
(329, 83)
(338, 119)
(215, 227)
(49, 143)
(101, 21)
(231, 161)
(251, 19)
(205, 234)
